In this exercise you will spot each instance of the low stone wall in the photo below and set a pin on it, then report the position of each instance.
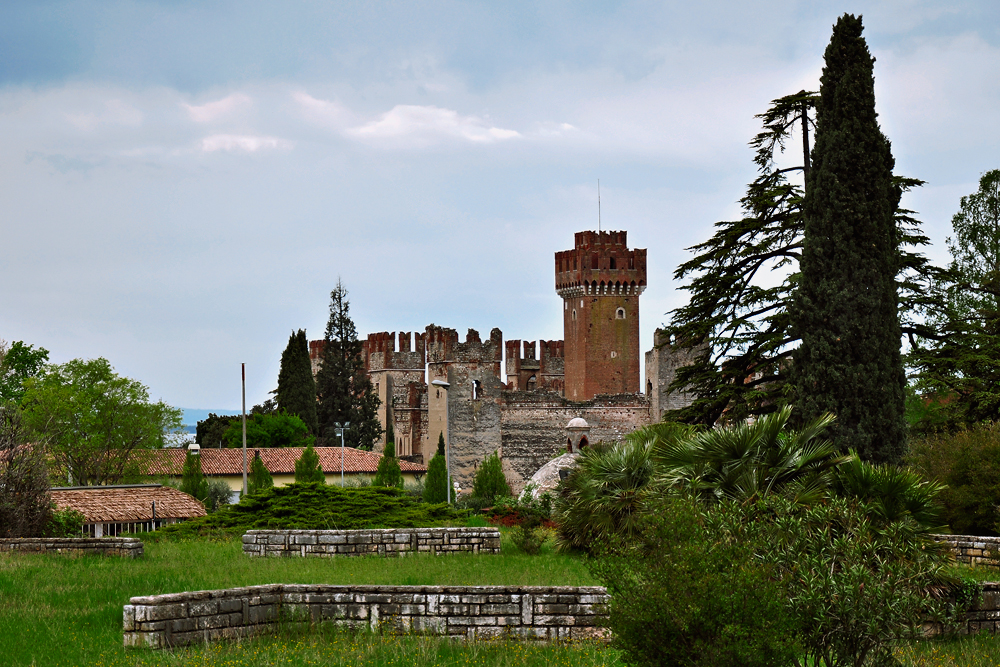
(465, 612)
(973, 550)
(984, 616)
(388, 542)
(129, 547)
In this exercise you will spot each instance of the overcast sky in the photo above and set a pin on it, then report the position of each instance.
(182, 183)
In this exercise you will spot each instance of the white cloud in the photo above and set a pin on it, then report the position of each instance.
(422, 125)
(241, 143)
(323, 112)
(206, 113)
(114, 112)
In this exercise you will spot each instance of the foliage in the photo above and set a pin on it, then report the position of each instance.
(193, 481)
(529, 538)
(436, 484)
(276, 429)
(259, 478)
(846, 304)
(750, 460)
(296, 392)
(388, 472)
(967, 463)
(490, 483)
(18, 362)
(211, 431)
(66, 522)
(95, 423)
(319, 506)
(685, 594)
(961, 361)
(344, 389)
(307, 468)
(217, 494)
(892, 494)
(25, 502)
(603, 496)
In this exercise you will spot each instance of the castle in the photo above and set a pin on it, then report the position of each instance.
(593, 373)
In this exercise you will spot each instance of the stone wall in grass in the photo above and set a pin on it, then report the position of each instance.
(465, 612)
(388, 542)
(129, 547)
(974, 550)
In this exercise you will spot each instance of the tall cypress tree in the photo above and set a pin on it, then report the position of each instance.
(846, 307)
(296, 393)
(344, 389)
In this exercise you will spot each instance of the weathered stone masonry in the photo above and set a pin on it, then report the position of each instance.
(464, 612)
(387, 542)
(129, 547)
(973, 550)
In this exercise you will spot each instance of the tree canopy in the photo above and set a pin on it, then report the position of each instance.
(307, 468)
(18, 362)
(436, 484)
(269, 430)
(344, 389)
(94, 422)
(388, 472)
(296, 392)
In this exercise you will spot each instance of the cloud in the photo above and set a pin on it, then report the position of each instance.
(322, 112)
(242, 143)
(206, 113)
(114, 112)
(422, 125)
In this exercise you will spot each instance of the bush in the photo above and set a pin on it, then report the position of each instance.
(968, 463)
(388, 472)
(680, 595)
(276, 429)
(66, 522)
(490, 483)
(259, 478)
(193, 482)
(25, 503)
(308, 469)
(217, 495)
(313, 506)
(436, 486)
(529, 539)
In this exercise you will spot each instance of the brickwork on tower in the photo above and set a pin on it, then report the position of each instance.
(526, 372)
(600, 281)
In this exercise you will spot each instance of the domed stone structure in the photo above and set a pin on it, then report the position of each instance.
(579, 435)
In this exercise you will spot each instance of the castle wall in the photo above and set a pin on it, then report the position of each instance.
(662, 363)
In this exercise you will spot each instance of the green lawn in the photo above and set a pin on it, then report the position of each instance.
(63, 610)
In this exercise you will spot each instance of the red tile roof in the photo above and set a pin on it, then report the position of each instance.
(107, 504)
(277, 460)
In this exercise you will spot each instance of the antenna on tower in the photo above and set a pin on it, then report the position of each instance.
(598, 205)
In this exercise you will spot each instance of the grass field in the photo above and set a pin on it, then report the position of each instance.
(63, 610)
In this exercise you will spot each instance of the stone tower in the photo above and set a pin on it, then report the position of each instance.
(600, 281)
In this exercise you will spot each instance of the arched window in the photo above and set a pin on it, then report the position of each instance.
(569, 445)
(620, 314)
(649, 388)
(583, 442)
(531, 383)
(477, 387)
(574, 314)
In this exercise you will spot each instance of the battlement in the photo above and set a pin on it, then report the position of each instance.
(381, 353)
(442, 346)
(527, 372)
(600, 264)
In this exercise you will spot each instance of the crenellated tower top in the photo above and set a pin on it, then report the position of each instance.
(601, 263)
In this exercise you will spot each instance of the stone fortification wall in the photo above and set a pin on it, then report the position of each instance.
(662, 363)
(128, 547)
(388, 542)
(534, 426)
(974, 550)
(463, 612)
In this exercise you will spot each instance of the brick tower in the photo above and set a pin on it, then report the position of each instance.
(600, 281)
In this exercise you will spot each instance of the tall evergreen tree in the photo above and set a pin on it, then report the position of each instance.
(436, 486)
(308, 468)
(193, 481)
(846, 306)
(260, 477)
(388, 472)
(345, 391)
(296, 392)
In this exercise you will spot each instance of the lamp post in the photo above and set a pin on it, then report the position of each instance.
(243, 372)
(340, 428)
(441, 384)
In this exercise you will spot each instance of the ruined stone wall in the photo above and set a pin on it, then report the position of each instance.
(462, 612)
(128, 547)
(385, 542)
(528, 372)
(662, 363)
(973, 550)
(533, 426)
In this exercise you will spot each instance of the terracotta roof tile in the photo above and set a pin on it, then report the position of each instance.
(102, 504)
(277, 460)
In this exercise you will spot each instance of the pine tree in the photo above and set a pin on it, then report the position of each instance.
(260, 477)
(296, 392)
(846, 307)
(436, 486)
(307, 468)
(490, 483)
(345, 391)
(193, 481)
(388, 472)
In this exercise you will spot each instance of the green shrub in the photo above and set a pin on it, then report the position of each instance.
(307, 468)
(436, 486)
(193, 482)
(66, 522)
(968, 463)
(217, 495)
(680, 595)
(528, 538)
(259, 478)
(490, 483)
(388, 472)
(314, 506)
(269, 430)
